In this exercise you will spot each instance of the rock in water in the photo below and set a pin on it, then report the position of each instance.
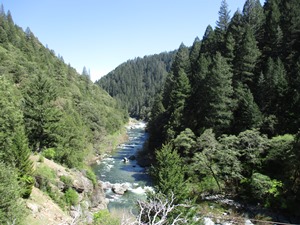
(125, 160)
(119, 189)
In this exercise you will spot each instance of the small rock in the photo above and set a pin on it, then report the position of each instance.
(106, 185)
(60, 185)
(33, 207)
(208, 221)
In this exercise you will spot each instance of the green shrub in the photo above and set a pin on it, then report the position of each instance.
(71, 197)
(27, 183)
(41, 159)
(66, 180)
(44, 175)
(56, 196)
(49, 153)
(91, 176)
(208, 184)
(45, 172)
(103, 217)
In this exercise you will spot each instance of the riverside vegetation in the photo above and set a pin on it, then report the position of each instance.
(225, 118)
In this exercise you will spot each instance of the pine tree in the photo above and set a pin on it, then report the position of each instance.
(224, 17)
(222, 25)
(237, 27)
(12, 208)
(246, 59)
(40, 114)
(230, 46)
(272, 31)
(194, 56)
(253, 17)
(273, 87)
(209, 41)
(246, 114)
(14, 144)
(219, 102)
(195, 104)
(156, 123)
(169, 173)
(179, 93)
(290, 24)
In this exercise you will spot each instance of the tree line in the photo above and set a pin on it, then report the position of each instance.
(135, 82)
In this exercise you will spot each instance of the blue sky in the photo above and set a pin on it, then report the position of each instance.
(102, 34)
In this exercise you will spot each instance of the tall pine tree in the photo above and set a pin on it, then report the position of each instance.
(40, 114)
(219, 91)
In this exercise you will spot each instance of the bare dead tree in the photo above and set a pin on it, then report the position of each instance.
(157, 210)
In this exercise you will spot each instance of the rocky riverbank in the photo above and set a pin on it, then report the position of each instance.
(51, 201)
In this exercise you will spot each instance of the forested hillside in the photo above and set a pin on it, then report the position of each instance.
(135, 82)
(45, 107)
(230, 109)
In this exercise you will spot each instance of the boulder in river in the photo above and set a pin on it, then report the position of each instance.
(125, 160)
(119, 189)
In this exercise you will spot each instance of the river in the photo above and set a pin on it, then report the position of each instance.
(112, 169)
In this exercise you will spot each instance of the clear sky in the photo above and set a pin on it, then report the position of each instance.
(102, 34)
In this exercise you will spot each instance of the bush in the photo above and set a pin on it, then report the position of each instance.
(44, 175)
(66, 180)
(209, 185)
(41, 159)
(45, 172)
(91, 176)
(49, 153)
(27, 184)
(71, 197)
(103, 217)
(56, 196)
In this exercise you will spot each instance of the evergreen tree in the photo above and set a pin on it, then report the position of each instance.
(156, 123)
(179, 93)
(209, 42)
(194, 56)
(254, 17)
(14, 144)
(219, 102)
(272, 31)
(169, 173)
(222, 25)
(237, 27)
(290, 24)
(40, 114)
(12, 208)
(224, 17)
(246, 114)
(195, 106)
(246, 60)
(230, 46)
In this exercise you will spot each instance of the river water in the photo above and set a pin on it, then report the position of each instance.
(112, 169)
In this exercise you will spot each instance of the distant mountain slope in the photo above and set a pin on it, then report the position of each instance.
(135, 82)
